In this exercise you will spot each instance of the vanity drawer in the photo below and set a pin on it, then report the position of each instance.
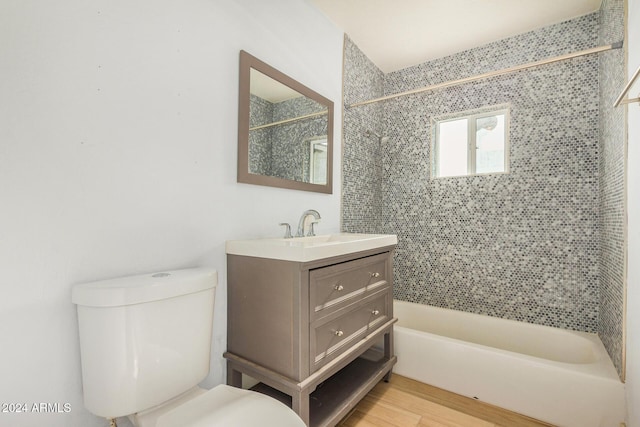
(336, 286)
(336, 336)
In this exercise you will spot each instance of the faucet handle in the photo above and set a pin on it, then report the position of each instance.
(287, 230)
(311, 232)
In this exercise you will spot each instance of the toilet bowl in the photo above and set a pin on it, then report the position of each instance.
(145, 345)
(222, 406)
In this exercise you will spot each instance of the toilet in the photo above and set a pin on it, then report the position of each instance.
(145, 345)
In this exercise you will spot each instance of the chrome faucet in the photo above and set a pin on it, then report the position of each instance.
(305, 214)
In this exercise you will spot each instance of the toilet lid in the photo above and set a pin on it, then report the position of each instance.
(229, 406)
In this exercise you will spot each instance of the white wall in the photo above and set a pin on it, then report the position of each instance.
(118, 156)
(633, 192)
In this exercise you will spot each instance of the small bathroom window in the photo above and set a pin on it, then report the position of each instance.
(318, 161)
(471, 143)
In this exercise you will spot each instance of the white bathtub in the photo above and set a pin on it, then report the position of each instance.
(562, 377)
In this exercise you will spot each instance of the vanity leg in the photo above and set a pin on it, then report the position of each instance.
(388, 352)
(300, 405)
(234, 378)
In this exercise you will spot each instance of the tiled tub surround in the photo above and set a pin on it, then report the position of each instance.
(524, 245)
(612, 186)
(362, 161)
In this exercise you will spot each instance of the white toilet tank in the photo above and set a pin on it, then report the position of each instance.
(144, 339)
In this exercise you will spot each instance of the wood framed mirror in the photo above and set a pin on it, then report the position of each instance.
(285, 130)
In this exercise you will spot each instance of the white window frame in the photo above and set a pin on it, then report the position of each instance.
(320, 143)
(471, 117)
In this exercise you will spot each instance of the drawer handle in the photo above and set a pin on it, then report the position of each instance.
(338, 333)
(376, 274)
(338, 287)
(375, 312)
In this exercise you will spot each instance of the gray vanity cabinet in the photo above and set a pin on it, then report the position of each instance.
(317, 335)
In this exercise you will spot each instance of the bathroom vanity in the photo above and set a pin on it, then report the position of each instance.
(313, 325)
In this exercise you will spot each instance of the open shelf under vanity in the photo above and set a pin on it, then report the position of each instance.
(334, 398)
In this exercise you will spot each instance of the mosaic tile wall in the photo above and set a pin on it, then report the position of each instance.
(523, 245)
(612, 188)
(362, 159)
(283, 151)
(260, 139)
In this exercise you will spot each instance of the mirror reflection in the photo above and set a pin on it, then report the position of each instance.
(285, 130)
(282, 123)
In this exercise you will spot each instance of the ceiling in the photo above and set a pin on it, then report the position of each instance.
(396, 34)
(269, 89)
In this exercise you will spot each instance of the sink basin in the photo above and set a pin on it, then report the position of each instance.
(310, 248)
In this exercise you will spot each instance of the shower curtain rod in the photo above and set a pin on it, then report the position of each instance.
(281, 122)
(626, 89)
(591, 51)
